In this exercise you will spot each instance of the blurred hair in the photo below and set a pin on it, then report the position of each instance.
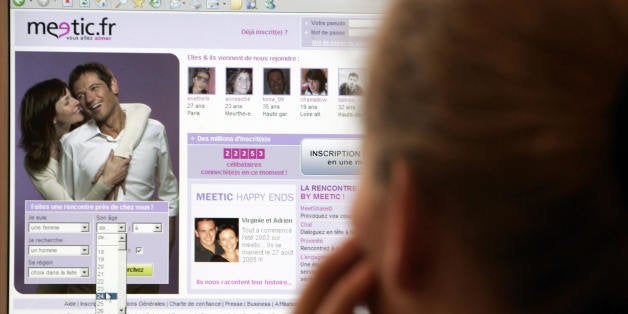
(503, 114)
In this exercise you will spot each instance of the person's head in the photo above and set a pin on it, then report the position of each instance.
(276, 81)
(316, 80)
(239, 82)
(96, 89)
(494, 138)
(206, 232)
(200, 80)
(47, 111)
(352, 81)
(228, 238)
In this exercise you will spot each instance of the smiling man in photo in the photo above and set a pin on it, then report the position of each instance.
(150, 176)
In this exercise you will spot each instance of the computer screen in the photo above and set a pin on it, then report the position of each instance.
(171, 156)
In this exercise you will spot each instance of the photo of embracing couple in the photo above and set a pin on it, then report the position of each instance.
(81, 142)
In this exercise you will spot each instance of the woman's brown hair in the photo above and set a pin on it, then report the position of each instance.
(37, 112)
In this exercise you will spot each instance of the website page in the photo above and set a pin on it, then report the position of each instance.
(241, 125)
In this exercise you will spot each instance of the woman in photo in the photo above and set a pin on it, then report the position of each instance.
(315, 83)
(240, 82)
(228, 240)
(48, 111)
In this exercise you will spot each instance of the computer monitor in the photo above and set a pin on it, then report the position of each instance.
(234, 187)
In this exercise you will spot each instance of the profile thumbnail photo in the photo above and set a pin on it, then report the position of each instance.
(201, 81)
(314, 82)
(277, 81)
(240, 81)
(350, 82)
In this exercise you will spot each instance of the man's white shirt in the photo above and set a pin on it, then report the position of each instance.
(86, 149)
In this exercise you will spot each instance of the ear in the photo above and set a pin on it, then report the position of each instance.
(407, 232)
(114, 86)
(196, 234)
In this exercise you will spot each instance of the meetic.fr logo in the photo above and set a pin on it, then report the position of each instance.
(77, 29)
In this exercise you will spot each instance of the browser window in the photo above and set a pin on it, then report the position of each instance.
(233, 128)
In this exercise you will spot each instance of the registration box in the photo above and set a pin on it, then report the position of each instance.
(63, 237)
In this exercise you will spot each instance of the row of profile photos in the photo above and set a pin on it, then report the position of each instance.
(239, 81)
